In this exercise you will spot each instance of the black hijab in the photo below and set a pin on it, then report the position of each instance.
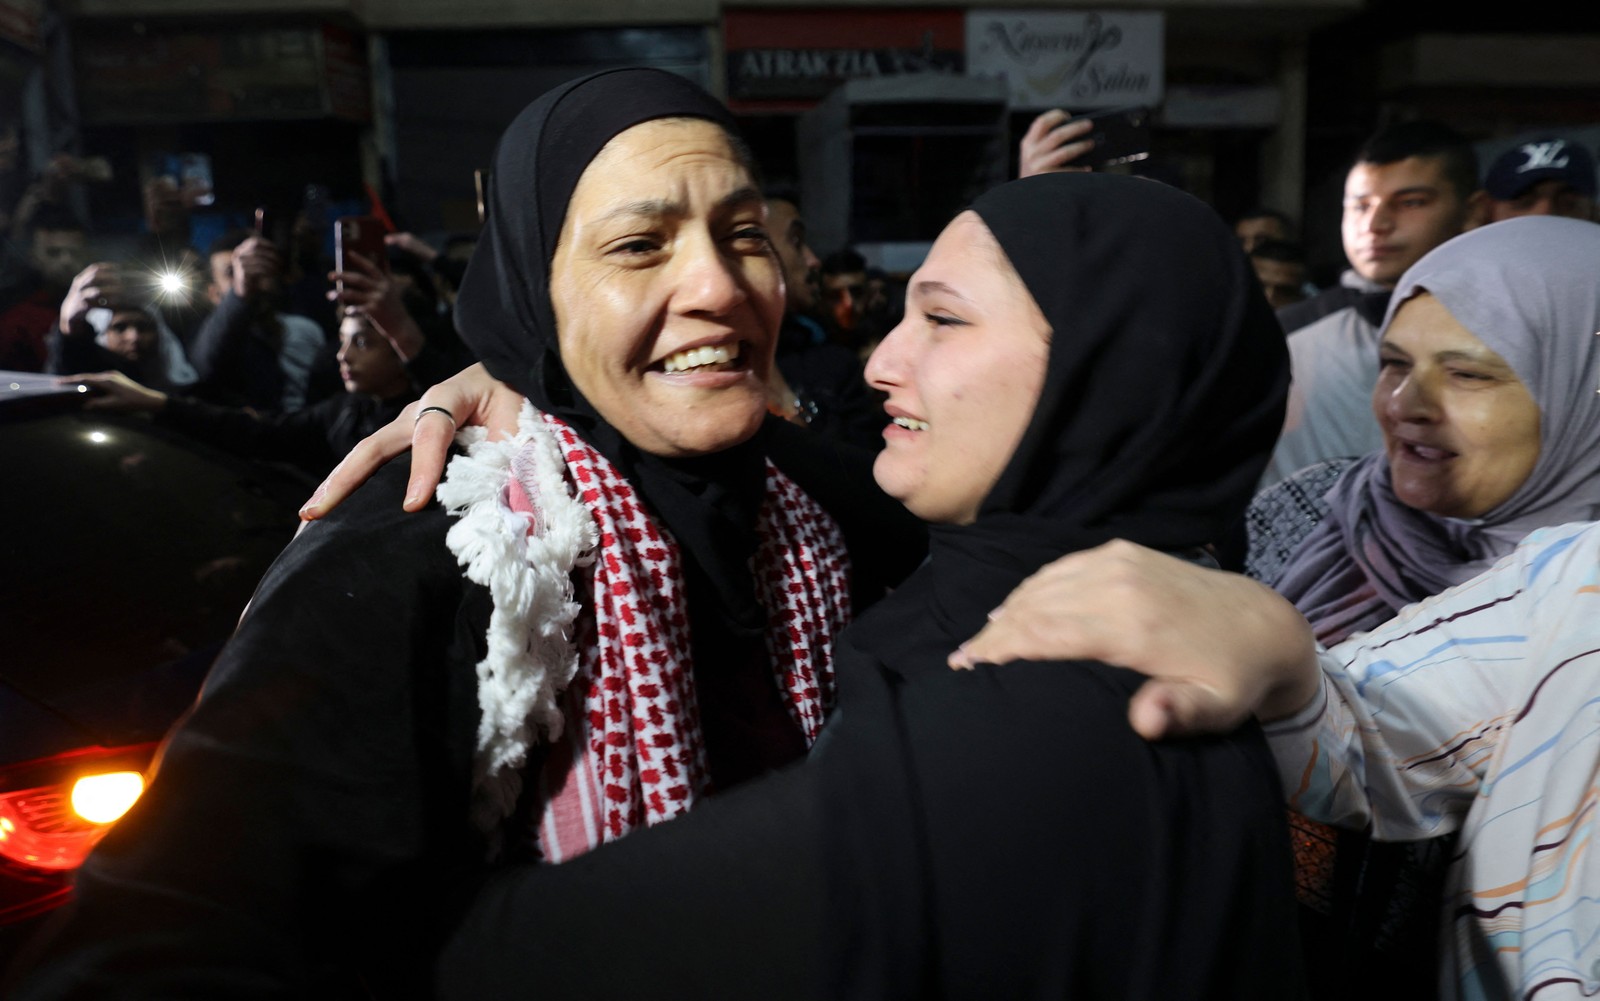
(504, 313)
(1163, 392)
(1164, 389)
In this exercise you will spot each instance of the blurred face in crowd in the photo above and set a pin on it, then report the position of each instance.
(221, 276)
(1396, 212)
(132, 335)
(58, 255)
(847, 293)
(1460, 429)
(1549, 197)
(368, 363)
(800, 264)
(666, 291)
(1256, 230)
(963, 372)
(258, 260)
(1283, 281)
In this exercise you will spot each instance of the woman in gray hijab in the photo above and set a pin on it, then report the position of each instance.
(1486, 400)
(1488, 435)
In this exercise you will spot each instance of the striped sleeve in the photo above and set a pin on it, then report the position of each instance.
(1411, 715)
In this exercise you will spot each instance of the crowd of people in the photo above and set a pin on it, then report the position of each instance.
(261, 348)
(711, 663)
(265, 349)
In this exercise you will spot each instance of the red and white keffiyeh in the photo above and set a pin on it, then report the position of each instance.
(613, 657)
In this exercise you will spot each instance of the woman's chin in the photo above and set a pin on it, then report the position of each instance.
(705, 431)
(894, 479)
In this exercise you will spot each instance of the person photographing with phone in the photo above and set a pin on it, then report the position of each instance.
(1057, 140)
(247, 352)
(383, 360)
(365, 289)
(104, 326)
(377, 386)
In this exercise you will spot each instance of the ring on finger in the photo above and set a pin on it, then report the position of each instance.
(435, 410)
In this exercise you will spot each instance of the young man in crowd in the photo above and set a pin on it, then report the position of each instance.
(1412, 187)
(56, 254)
(815, 382)
(844, 284)
(1262, 225)
(1281, 268)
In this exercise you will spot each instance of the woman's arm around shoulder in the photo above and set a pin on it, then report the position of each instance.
(1217, 646)
(1443, 683)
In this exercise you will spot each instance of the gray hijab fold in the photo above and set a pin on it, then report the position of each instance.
(1528, 288)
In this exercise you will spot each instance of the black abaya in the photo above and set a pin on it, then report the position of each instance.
(999, 833)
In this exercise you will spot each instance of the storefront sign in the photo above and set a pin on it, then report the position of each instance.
(791, 59)
(1079, 61)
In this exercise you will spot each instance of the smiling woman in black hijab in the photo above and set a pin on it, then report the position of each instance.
(998, 833)
(645, 615)
(623, 242)
(508, 319)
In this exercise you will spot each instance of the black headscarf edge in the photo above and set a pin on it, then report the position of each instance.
(504, 312)
(1167, 372)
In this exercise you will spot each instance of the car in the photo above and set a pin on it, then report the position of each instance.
(129, 553)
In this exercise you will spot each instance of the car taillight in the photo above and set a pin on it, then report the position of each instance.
(103, 798)
(52, 812)
(53, 827)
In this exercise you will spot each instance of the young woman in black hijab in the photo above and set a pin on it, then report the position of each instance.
(1000, 832)
(380, 728)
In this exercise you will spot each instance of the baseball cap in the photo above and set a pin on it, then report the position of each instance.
(1528, 163)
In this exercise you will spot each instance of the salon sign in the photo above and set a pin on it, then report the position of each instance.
(1079, 61)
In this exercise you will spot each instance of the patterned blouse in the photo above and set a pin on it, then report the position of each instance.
(1478, 709)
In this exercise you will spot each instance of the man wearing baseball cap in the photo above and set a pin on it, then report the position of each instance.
(1547, 176)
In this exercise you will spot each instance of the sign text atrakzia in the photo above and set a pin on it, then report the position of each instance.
(1079, 61)
(796, 58)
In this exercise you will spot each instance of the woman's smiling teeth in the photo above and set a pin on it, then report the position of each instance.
(1425, 452)
(911, 423)
(717, 358)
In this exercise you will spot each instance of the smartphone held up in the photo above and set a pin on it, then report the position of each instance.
(1120, 135)
(362, 235)
(272, 226)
